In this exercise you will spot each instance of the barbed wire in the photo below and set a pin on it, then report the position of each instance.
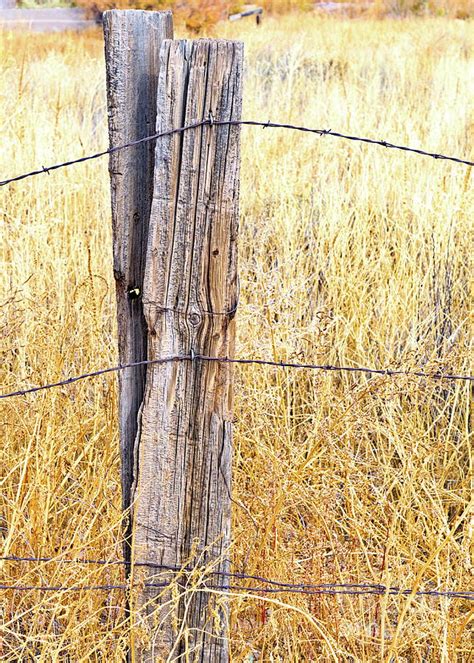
(389, 372)
(276, 586)
(92, 374)
(376, 590)
(329, 367)
(252, 123)
(103, 153)
(62, 588)
(337, 134)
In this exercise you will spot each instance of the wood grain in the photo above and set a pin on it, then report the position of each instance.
(183, 452)
(132, 48)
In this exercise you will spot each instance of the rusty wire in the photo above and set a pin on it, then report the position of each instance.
(252, 123)
(389, 372)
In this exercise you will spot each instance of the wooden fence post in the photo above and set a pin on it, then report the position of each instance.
(132, 48)
(181, 494)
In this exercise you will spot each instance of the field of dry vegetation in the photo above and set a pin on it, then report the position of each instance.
(349, 254)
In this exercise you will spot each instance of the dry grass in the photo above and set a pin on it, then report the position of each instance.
(348, 254)
(461, 9)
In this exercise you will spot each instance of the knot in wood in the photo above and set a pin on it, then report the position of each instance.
(194, 318)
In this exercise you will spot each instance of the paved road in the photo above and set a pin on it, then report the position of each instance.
(45, 20)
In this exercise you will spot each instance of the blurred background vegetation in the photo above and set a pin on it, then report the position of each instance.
(201, 15)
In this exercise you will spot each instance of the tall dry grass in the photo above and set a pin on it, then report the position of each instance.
(348, 254)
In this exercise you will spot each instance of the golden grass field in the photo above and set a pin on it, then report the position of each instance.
(349, 254)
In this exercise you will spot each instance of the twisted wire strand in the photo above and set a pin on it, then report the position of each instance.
(256, 362)
(250, 123)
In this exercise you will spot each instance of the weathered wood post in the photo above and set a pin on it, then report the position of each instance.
(181, 493)
(132, 48)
